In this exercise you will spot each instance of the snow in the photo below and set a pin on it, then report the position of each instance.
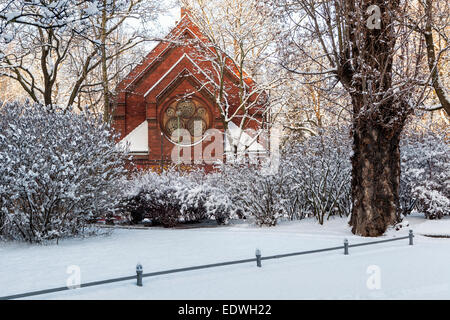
(406, 272)
(137, 139)
(91, 9)
(12, 15)
(439, 227)
(245, 139)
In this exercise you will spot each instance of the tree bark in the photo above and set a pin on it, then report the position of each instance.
(375, 178)
(379, 115)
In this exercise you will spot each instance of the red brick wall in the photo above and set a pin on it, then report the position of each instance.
(132, 107)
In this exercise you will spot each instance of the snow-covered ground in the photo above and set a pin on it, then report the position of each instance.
(394, 270)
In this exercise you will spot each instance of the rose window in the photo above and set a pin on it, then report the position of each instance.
(186, 114)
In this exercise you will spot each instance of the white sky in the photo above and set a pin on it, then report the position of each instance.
(168, 20)
(159, 28)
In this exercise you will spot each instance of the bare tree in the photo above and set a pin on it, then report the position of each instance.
(57, 60)
(43, 14)
(309, 108)
(240, 53)
(368, 49)
(431, 19)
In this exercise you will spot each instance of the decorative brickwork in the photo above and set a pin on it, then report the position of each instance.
(153, 90)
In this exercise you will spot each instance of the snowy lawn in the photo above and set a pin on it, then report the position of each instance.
(413, 272)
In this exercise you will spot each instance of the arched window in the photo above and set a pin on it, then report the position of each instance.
(189, 114)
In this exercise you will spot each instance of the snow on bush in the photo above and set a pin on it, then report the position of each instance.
(319, 171)
(59, 170)
(425, 180)
(313, 180)
(256, 192)
(219, 205)
(175, 196)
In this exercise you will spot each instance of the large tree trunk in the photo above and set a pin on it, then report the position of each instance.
(375, 178)
(379, 114)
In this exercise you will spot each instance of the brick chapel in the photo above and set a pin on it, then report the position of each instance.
(171, 89)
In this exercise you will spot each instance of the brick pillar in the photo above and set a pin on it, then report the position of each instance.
(154, 139)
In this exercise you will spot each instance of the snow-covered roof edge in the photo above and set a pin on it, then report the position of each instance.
(137, 139)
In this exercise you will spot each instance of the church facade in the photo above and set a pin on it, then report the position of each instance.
(173, 88)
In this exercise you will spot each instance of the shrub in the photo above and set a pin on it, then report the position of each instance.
(255, 192)
(312, 180)
(425, 169)
(136, 206)
(192, 198)
(58, 171)
(219, 206)
(319, 172)
(171, 197)
(153, 196)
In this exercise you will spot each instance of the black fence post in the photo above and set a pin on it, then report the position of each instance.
(258, 258)
(139, 271)
(346, 247)
(411, 236)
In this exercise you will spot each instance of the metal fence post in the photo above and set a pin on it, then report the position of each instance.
(258, 258)
(139, 271)
(346, 246)
(411, 236)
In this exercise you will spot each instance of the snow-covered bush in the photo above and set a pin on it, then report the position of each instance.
(256, 192)
(154, 196)
(425, 179)
(192, 196)
(175, 196)
(319, 172)
(58, 171)
(136, 207)
(312, 180)
(219, 205)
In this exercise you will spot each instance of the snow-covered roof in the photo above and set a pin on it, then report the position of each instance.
(137, 139)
